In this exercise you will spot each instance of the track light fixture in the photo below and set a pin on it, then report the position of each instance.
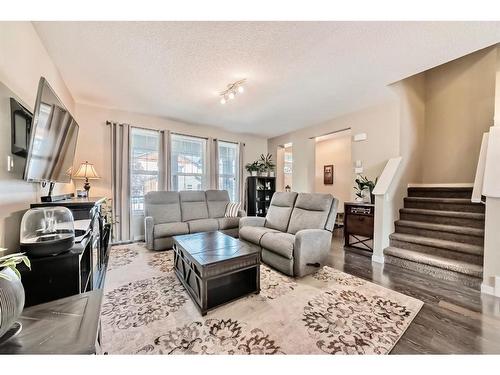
(232, 89)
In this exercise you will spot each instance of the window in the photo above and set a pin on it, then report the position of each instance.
(144, 172)
(288, 167)
(189, 162)
(228, 169)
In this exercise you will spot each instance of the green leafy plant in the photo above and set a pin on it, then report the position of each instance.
(362, 182)
(11, 261)
(267, 162)
(253, 167)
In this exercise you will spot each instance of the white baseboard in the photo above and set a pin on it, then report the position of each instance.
(378, 259)
(488, 289)
(458, 184)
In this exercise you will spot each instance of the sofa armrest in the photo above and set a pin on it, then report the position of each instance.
(149, 226)
(252, 221)
(310, 251)
(242, 213)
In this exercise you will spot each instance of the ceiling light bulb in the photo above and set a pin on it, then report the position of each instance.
(231, 95)
(223, 101)
(240, 89)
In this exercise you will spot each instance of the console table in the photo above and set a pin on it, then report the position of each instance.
(359, 225)
(65, 326)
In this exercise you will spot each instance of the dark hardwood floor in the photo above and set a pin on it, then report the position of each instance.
(454, 319)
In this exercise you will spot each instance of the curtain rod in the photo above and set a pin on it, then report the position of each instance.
(222, 140)
(176, 133)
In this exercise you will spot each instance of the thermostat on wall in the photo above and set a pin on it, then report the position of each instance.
(360, 137)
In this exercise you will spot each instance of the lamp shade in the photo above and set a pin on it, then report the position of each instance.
(86, 170)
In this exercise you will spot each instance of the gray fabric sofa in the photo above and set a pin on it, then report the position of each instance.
(295, 236)
(171, 213)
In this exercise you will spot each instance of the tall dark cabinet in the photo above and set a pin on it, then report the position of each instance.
(260, 190)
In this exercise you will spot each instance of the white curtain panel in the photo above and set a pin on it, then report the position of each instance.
(242, 179)
(214, 162)
(164, 162)
(120, 180)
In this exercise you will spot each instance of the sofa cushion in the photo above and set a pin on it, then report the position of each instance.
(170, 229)
(217, 201)
(280, 209)
(254, 234)
(163, 206)
(203, 225)
(279, 243)
(311, 211)
(193, 205)
(228, 222)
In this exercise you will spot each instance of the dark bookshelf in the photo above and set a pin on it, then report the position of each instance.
(260, 190)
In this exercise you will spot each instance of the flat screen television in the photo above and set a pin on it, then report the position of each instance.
(53, 139)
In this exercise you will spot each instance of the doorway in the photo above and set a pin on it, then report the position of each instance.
(284, 165)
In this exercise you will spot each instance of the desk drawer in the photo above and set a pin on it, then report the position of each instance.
(359, 224)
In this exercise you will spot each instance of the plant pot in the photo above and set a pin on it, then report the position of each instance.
(11, 300)
(271, 174)
(253, 173)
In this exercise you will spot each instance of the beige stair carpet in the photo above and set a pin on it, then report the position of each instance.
(147, 311)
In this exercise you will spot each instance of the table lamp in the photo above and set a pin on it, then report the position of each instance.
(86, 171)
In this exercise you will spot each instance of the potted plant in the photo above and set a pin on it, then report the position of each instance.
(253, 168)
(267, 164)
(363, 184)
(12, 292)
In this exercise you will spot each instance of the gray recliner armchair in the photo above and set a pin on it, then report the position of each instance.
(296, 234)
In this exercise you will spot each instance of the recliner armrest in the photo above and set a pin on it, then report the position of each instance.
(252, 221)
(149, 226)
(311, 250)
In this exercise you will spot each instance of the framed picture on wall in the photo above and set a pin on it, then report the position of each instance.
(328, 174)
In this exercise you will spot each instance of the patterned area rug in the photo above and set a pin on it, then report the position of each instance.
(147, 311)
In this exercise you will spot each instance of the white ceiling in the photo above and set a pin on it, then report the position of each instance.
(298, 73)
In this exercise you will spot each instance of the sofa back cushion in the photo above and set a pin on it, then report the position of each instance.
(311, 211)
(217, 201)
(280, 209)
(193, 205)
(163, 206)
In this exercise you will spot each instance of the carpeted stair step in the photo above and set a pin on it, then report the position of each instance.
(464, 219)
(454, 233)
(436, 266)
(443, 204)
(440, 192)
(447, 249)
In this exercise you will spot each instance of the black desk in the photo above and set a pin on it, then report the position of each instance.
(65, 326)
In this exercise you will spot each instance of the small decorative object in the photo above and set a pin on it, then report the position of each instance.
(288, 188)
(363, 185)
(328, 174)
(47, 231)
(81, 193)
(87, 172)
(11, 294)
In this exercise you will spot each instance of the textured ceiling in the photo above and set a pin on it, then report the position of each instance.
(299, 73)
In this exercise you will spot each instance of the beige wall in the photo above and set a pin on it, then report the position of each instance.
(93, 140)
(336, 151)
(459, 108)
(23, 59)
(380, 123)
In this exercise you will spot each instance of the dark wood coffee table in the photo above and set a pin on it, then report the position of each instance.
(216, 268)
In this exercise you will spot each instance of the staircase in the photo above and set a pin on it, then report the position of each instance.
(440, 233)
